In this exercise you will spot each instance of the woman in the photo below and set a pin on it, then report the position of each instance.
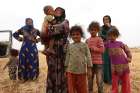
(28, 67)
(56, 81)
(103, 33)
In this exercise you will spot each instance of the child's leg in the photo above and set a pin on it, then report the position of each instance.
(90, 81)
(126, 83)
(81, 83)
(115, 79)
(99, 77)
(12, 73)
(71, 83)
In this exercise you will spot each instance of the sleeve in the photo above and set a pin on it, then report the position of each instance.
(128, 53)
(67, 56)
(38, 32)
(88, 57)
(99, 48)
(64, 25)
(38, 38)
(17, 34)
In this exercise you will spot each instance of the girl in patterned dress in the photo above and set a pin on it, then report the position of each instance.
(78, 61)
(12, 64)
(28, 67)
(120, 57)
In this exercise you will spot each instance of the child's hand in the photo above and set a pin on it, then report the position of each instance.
(128, 60)
(89, 72)
(65, 74)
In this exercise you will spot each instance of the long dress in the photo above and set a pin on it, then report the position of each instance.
(106, 59)
(28, 67)
(56, 81)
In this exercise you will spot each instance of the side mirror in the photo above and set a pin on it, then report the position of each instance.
(5, 42)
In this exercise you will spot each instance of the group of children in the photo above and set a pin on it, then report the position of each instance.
(84, 59)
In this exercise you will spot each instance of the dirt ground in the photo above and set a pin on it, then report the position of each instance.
(38, 86)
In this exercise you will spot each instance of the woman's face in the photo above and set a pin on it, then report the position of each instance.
(58, 12)
(76, 36)
(106, 21)
(29, 22)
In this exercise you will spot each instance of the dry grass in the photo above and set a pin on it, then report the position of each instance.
(38, 86)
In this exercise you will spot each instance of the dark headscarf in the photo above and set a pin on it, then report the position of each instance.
(62, 17)
(106, 27)
(28, 27)
(108, 18)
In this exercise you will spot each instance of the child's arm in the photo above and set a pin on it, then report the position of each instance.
(8, 63)
(128, 53)
(88, 57)
(89, 62)
(99, 48)
(67, 57)
(5, 67)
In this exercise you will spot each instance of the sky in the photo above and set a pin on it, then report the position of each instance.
(125, 15)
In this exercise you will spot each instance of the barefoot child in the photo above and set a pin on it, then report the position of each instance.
(120, 57)
(12, 64)
(49, 12)
(96, 47)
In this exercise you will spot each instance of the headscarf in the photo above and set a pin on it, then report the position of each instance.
(28, 27)
(62, 17)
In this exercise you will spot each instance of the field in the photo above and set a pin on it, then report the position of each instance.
(38, 86)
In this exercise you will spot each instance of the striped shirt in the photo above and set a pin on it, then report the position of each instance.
(96, 47)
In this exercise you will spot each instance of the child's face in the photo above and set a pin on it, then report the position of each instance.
(93, 32)
(50, 11)
(112, 37)
(76, 36)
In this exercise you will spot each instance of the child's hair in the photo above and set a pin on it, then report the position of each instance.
(46, 8)
(94, 24)
(76, 28)
(14, 52)
(113, 31)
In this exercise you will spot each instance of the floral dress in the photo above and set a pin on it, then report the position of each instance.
(28, 67)
(56, 81)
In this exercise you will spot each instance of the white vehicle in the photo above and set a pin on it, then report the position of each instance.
(5, 42)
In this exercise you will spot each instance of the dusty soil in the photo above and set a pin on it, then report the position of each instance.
(38, 86)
